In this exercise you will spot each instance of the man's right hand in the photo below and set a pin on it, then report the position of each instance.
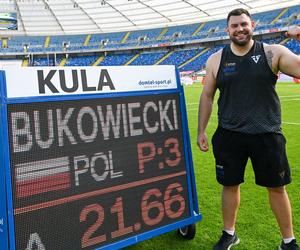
(293, 32)
(202, 142)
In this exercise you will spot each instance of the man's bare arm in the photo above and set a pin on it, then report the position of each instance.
(206, 101)
(288, 62)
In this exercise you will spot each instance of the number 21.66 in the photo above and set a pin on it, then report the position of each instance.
(165, 204)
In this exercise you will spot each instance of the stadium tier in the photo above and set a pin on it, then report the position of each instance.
(293, 46)
(116, 59)
(186, 46)
(148, 58)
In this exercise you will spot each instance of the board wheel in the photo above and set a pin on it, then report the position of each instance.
(188, 232)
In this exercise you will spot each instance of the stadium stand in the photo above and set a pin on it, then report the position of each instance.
(116, 59)
(148, 58)
(293, 46)
(198, 62)
(186, 46)
(181, 56)
(80, 60)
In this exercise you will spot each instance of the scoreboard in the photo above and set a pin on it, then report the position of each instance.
(93, 157)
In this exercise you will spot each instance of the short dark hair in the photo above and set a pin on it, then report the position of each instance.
(238, 12)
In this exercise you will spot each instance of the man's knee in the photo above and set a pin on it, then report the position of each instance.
(231, 188)
(276, 190)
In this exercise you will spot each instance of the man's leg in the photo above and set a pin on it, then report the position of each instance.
(230, 205)
(281, 207)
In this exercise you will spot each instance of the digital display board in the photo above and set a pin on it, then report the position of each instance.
(87, 172)
(90, 172)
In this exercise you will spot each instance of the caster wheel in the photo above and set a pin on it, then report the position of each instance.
(187, 232)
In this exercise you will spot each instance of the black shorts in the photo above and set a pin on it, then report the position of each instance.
(266, 151)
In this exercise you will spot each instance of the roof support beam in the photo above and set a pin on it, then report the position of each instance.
(194, 6)
(19, 14)
(121, 13)
(159, 13)
(52, 13)
(87, 14)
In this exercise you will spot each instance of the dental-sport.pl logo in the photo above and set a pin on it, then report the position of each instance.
(155, 83)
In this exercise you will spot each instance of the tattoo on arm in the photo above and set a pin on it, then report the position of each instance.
(269, 56)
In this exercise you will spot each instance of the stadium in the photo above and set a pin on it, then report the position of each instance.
(184, 33)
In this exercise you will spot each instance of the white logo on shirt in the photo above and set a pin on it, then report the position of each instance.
(219, 166)
(255, 58)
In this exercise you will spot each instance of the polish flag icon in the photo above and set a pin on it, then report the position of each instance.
(44, 176)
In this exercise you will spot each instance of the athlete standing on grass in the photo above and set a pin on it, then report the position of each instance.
(249, 122)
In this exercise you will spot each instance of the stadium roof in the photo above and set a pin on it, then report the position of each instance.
(48, 17)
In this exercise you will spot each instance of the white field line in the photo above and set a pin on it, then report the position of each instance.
(277, 86)
(283, 122)
(291, 123)
(282, 100)
(286, 99)
(290, 100)
(284, 96)
(290, 85)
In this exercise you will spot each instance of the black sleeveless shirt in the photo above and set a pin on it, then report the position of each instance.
(248, 102)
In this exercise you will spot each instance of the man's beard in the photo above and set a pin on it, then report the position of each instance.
(241, 42)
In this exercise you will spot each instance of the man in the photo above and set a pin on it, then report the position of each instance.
(249, 122)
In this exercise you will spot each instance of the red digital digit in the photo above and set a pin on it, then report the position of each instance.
(87, 239)
(118, 208)
(143, 155)
(173, 150)
(169, 200)
(147, 206)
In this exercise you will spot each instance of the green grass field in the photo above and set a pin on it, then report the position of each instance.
(256, 226)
